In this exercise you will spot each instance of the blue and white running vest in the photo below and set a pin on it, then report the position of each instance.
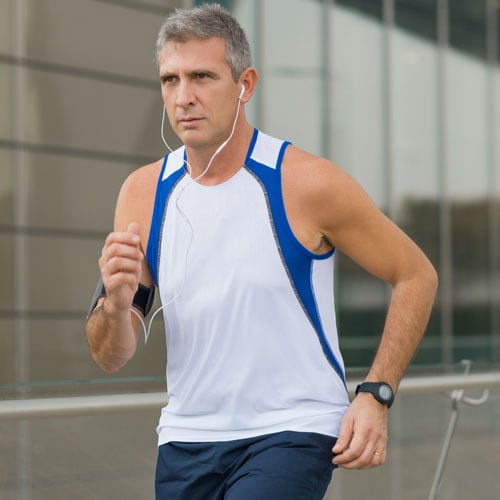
(252, 344)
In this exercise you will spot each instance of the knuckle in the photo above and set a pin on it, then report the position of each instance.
(113, 249)
(109, 239)
(119, 263)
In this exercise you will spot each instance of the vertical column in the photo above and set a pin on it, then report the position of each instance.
(331, 78)
(260, 62)
(445, 253)
(492, 14)
(388, 167)
(326, 77)
(20, 218)
(20, 197)
(388, 13)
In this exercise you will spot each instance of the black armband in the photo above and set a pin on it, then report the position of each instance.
(100, 291)
(143, 298)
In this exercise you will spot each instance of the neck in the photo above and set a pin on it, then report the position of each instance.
(227, 160)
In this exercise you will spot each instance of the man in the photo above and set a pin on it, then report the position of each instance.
(239, 230)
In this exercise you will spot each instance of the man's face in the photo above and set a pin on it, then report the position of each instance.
(198, 91)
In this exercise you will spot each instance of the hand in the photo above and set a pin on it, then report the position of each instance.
(120, 265)
(362, 443)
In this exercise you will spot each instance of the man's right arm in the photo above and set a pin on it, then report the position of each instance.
(112, 330)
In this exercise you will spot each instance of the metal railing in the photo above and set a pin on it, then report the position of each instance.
(67, 406)
(22, 409)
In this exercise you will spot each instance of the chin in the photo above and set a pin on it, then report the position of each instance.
(195, 139)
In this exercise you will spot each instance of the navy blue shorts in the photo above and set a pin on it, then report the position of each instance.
(286, 465)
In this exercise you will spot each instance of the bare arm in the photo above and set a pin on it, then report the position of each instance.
(344, 217)
(112, 330)
(367, 236)
(363, 437)
(379, 246)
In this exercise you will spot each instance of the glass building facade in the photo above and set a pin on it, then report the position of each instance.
(402, 94)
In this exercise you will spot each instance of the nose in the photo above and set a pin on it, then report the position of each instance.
(185, 96)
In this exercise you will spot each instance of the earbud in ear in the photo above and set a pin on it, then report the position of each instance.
(242, 92)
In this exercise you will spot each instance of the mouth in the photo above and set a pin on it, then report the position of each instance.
(189, 121)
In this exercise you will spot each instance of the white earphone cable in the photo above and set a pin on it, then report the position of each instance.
(147, 330)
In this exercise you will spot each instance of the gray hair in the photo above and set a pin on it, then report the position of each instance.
(203, 22)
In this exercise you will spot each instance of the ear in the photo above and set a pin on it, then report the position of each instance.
(248, 80)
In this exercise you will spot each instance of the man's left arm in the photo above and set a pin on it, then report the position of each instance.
(362, 442)
(355, 226)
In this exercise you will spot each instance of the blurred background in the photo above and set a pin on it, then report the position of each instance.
(403, 94)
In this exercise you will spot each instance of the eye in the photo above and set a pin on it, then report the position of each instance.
(167, 79)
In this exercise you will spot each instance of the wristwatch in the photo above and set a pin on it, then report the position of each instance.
(381, 391)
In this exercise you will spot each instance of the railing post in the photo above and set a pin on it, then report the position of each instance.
(457, 396)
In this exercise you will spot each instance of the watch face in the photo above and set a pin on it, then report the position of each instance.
(385, 392)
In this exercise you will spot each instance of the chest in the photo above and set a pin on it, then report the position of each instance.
(220, 236)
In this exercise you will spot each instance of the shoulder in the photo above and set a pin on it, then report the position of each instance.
(316, 180)
(141, 181)
(311, 168)
(136, 199)
(322, 195)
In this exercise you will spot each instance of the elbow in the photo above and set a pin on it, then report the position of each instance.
(423, 281)
(108, 365)
(432, 279)
(110, 351)
(109, 369)
(104, 358)
(426, 285)
(436, 281)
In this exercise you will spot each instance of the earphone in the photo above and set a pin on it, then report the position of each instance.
(242, 92)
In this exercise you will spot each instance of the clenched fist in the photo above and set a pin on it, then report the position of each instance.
(120, 265)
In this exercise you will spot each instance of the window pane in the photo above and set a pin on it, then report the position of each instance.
(358, 147)
(468, 187)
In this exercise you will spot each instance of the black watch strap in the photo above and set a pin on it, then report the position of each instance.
(143, 299)
(381, 391)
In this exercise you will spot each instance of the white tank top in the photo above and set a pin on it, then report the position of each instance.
(249, 315)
